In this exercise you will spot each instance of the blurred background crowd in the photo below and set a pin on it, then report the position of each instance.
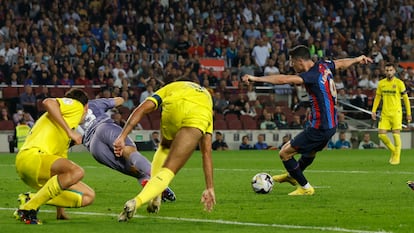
(130, 48)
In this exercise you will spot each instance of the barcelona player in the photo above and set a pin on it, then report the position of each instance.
(318, 80)
(390, 90)
(43, 164)
(186, 121)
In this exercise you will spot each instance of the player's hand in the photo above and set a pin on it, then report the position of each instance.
(119, 145)
(374, 116)
(209, 199)
(76, 137)
(364, 59)
(246, 78)
(409, 118)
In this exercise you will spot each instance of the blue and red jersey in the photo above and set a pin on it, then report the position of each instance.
(319, 83)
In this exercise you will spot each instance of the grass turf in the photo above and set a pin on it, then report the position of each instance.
(356, 191)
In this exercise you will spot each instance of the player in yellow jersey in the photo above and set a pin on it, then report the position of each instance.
(42, 161)
(186, 120)
(390, 90)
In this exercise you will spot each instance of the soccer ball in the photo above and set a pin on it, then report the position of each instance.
(262, 183)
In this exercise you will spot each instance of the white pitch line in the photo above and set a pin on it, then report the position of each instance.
(225, 222)
(269, 169)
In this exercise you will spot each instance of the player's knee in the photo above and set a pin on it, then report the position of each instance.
(88, 197)
(77, 173)
(284, 155)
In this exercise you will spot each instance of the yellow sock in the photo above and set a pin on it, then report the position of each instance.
(155, 186)
(68, 198)
(387, 142)
(49, 191)
(158, 160)
(397, 141)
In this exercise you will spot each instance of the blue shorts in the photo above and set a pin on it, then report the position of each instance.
(312, 140)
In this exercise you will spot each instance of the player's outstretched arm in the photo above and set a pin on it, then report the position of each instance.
(347, 62)
(144, 108)
(208, 197)
(274, 79)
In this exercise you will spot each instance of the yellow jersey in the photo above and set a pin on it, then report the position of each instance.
(184, 103)
(390, 92)
(48, 136)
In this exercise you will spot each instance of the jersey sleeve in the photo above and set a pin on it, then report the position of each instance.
(158, 96)
(71, 110)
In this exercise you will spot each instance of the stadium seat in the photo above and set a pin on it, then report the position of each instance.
(231, 116)
(10, 92)
(234, 124)
(248, 122)
(218, 116)
(220, 124)
(57, 92)
(7, 125)
(263, 99)
(155, 123)
(145, 123)
(155, 115)
(92, 92)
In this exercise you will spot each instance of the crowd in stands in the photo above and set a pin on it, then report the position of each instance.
(131, 48)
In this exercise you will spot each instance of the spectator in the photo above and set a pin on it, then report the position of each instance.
(155, 140)
(366, 142)
(261, 144)
(343, 97)
(117, 117)
(342, 124)
(360, 100)
(248, 110)
(251, 92)
(28, 119)
(219, 103)
(20, 133)
(268, 123)
(260, 54)
(286, 138)
(28, 101)
(129, 103)
(148, 92)
(296, 123)
(5, 70)
(43, 94)
(219, 143)
(5, 115)
(282, 122)
(342, 143)
(245, 145)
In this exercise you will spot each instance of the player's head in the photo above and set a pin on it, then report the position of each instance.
(298, 56)
(78, 95)
(389, 70)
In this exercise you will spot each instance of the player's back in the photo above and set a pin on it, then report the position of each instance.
(183, 90)
(97, 113)
(45, 130)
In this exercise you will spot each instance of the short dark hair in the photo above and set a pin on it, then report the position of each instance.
(389, 64)
(300, 51)
(77, 94)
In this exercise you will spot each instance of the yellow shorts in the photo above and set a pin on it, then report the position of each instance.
(393, 122)
(33, 166)
(185, 114)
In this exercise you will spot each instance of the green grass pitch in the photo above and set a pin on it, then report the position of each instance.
(356, 191)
